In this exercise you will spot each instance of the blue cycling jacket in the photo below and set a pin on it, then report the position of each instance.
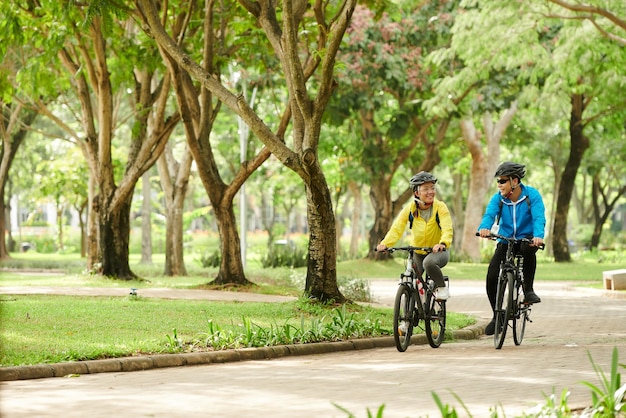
(517, 219)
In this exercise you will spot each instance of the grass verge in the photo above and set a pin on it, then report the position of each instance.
(49, 329)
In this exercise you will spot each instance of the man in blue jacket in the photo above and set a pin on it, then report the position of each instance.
(519, 212)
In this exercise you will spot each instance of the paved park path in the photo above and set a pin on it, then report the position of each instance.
(569, 325)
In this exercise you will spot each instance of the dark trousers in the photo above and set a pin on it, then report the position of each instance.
(530, 265)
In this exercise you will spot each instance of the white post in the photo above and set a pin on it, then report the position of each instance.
(244, 133)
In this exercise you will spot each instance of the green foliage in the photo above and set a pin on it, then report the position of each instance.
(285, 256)
(446, 410)
(354, 288)
(342, 325)
(44, 244)
(379, 412)
(552, 407)
(608, 398)
(210, 259)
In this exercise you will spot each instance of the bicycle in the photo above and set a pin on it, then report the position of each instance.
(415, 301)
(510, 304)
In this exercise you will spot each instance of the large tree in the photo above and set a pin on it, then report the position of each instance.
(96, 58)
(305, 41)
(14, 124)
(16, 116)
(562, 58)
(199, 111)
(174, 175)
(485, 159)
(382, 84)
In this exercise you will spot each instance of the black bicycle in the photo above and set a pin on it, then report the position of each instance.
(415, 301)
(510, 304)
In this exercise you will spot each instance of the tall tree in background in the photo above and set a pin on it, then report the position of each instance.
(78, 54)
(14, 124)
(563, 59)
(485, 159)
(292, 34)
(174, 175)
(381, 87)
(15, 116)
(607, 21)
(594, 62)
(199, 110)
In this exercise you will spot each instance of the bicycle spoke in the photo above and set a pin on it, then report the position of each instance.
(435, 321)
(403, 317)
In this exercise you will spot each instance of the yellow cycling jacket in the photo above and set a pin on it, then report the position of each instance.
(438, 229)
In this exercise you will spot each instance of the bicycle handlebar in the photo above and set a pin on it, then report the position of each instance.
(493, 236)
(408, 248)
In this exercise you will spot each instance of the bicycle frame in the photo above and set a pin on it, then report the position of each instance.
(510, 306)
(415, 301)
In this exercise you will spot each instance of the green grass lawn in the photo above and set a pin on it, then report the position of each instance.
(49, 329)
(43, 329)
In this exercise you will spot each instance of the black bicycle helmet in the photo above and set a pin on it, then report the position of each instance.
(511, 169)
(421, 178)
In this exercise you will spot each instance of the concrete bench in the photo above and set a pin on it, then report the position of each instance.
(614, 279)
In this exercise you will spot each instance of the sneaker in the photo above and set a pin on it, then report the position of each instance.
(402, 329)
(531, 297)
(490, 329)
(442, 293)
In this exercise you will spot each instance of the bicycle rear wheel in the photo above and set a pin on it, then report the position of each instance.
(403, 317)
(435, 321)
(504, 307)
(520, 317)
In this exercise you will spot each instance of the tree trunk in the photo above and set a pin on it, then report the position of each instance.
(356, 218)
(146, 220)
(174, 177)
(484, 164)
(114, 234)
(321, 278)
(380, 195)
(83, 232)
(578, 145)
(60, 210)
(602, 208)
(174, 254)
(456, 206)
(4, 253)
(340, 221)
(93, 230)
(231, 267)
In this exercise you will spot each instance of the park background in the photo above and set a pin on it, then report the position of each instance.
(128, 129)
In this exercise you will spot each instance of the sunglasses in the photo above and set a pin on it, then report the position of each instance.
(502, 181)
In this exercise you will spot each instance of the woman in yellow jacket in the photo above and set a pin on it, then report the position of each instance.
(431, 226)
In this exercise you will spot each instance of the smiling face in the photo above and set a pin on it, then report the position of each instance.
(426, 192)
(505, 184)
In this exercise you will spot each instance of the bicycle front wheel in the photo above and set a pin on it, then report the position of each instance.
(520, 316)
(435, 321)
(403, 317)
(504, 307)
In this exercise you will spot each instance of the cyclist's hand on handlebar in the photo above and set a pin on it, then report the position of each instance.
(537, 242)
(381, 248)
(439, 247)
(484, 233)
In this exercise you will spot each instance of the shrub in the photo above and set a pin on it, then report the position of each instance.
(210, 260)
(284, 256)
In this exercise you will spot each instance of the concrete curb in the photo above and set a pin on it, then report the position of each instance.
(157, 361)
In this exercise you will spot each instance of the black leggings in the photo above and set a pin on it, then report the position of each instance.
(530, 265)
